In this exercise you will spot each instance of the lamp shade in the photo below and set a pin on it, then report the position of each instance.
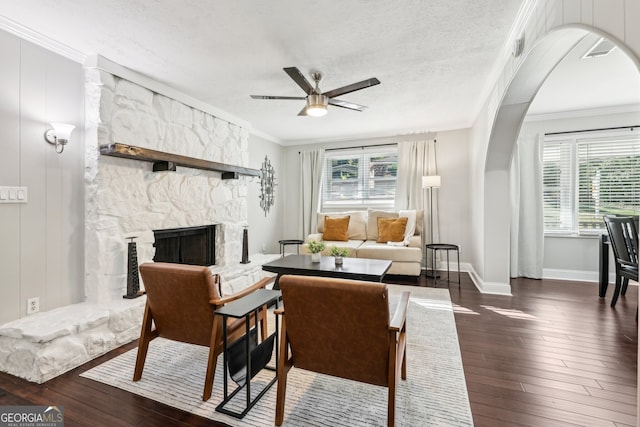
(63, 130)
(431, 181)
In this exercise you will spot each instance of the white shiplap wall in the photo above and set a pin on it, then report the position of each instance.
(41, 242)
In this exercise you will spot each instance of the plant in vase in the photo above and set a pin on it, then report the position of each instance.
(339, 254)
(315, 248)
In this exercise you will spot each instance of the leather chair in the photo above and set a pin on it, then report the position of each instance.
(341, 328)
(624, 242)
(181, 300)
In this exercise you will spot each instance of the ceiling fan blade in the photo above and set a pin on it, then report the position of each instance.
(297, 77)
(347, 105)
(352, 87)
(277, 97)
(303, 112)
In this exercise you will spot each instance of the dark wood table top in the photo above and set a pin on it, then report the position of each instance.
(352, 268)
(245, 305)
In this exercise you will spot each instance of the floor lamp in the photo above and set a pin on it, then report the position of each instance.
(431, 182)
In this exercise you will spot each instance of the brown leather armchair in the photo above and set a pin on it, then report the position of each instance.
(181, 300)
(341, 327)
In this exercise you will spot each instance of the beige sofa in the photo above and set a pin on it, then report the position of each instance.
(363, 234)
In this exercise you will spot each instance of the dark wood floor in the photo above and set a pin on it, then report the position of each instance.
(554, 354)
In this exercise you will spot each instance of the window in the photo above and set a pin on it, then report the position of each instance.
(587, 176)
(360, 178)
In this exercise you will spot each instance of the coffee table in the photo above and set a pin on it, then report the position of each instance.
(352, 268)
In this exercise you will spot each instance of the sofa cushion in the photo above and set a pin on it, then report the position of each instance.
(410, 229)
(336, 228)
(357, 223)
(419, 222)
(391, 229)
(373, 250)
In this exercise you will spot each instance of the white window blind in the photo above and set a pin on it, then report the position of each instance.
(558, 186)
(587, 176)
(360, 178)
(609, 180)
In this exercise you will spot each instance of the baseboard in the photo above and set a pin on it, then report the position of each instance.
(493, 288)
(575, 275)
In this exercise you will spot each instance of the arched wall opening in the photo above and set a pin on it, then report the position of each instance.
(540, 61)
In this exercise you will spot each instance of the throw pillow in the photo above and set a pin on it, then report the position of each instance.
(357, 223)
(372, 223)
(391, 229)
(335, 229)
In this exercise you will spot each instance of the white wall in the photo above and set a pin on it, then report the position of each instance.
(265, 230)
(454, 166)
(41, 250)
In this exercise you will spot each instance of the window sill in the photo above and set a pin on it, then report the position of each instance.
(574, 236)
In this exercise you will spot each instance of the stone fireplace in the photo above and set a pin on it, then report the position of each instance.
(125, 198)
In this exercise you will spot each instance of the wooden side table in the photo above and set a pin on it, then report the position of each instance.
(256, 356)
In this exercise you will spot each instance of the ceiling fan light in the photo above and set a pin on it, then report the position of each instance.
(317, 105)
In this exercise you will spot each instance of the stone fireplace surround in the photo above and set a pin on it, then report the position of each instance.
(124, 198)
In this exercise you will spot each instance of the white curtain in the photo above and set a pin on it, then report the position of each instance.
(311, 164)
(415, 160)
(527, 221)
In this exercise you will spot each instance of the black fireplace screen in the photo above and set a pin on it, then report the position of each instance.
(187, 245)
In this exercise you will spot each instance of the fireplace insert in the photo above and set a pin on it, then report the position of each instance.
(187, 245)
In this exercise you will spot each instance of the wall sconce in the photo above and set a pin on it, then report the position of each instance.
(59, 135)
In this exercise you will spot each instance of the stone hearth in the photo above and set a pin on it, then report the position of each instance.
(45, 345)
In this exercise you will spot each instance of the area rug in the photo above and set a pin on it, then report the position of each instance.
(434, 393)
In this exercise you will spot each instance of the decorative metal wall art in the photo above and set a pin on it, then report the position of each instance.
(267, 185)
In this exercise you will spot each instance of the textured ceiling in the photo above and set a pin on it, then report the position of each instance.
(434, 58)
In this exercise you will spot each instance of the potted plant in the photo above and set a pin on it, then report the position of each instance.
(315, 248)
(339, 254)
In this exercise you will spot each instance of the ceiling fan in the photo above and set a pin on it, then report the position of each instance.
(317, 102)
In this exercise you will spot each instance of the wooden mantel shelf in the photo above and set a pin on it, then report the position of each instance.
(166, 161)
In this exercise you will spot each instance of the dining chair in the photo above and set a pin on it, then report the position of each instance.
(623, 236)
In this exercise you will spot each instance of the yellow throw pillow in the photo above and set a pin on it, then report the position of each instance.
(335, 229)
(391, 229)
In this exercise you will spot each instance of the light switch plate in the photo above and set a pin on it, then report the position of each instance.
(13, 195)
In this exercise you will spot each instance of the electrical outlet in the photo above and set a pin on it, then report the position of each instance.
(33, 305)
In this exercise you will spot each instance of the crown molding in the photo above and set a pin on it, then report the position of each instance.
(266, 136)
(41, 40)
(96, 61)
(587, 112)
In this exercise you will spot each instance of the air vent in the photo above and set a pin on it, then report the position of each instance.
(602, 47)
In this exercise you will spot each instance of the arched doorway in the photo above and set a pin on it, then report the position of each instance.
(540, 61)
